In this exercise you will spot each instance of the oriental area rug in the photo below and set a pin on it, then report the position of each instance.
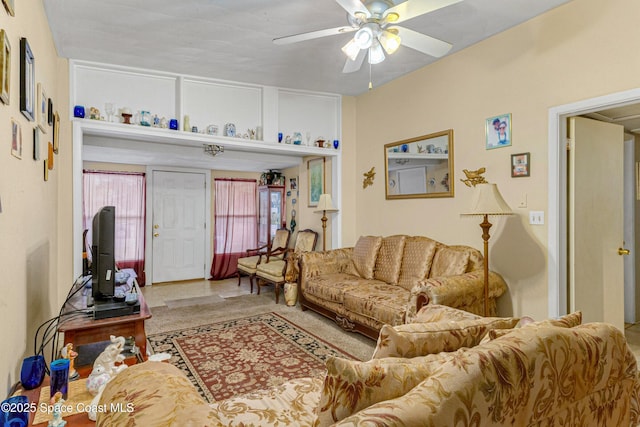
(239, 356)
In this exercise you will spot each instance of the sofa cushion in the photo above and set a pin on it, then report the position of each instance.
(389, 259)
(449, 262)
(350, 386)
(438, 313)
(380, 301)
(289, 404)
(419, 339)
(156, 385)
(331, 287)
(365, 253)
(416, 260)
(570, 320)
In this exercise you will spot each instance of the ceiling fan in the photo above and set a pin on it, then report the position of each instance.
(376, 32)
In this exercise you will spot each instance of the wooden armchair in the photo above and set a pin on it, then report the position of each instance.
(247, 265)
(272, 269)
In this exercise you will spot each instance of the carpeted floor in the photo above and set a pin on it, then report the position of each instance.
(239, 356)
(166, 319)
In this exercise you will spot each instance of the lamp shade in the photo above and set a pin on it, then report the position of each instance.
(325, 204)
(487, 200)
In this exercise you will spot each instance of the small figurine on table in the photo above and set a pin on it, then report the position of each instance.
(57, 401)
(68, 353)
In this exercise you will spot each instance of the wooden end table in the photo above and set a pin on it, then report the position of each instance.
(85, 330)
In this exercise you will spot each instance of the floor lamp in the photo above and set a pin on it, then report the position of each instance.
(325, 204)
(487, 200)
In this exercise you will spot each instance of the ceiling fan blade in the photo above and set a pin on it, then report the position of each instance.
(423, 43)
(412, 8)
(354, 6)
(351, 66)
(313, 35)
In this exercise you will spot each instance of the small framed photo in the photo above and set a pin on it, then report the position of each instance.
(293, 183)
(16, 139)
(520, 165)
(9, 5)
(315, 179)
(498, 131)
(5, 67)
(27, 80)
(56, 132)
(36, 143)
(42, 115)
(50, 156)
(50, 112)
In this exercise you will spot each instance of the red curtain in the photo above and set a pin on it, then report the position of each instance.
(127, 192)
(236, 222)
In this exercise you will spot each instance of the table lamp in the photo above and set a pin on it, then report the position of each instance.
(325, 204)
(487, 200)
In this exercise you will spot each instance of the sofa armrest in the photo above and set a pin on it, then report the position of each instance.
(463, 291)
(313, 264)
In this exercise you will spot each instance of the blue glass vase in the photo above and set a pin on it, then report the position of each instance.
(336, 144)
(14, 411)
(78, 111)
(60, 377)
(32, 371)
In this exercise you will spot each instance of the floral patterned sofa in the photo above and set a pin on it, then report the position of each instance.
(386, 280)
(461, 372)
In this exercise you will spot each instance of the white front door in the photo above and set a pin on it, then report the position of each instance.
(179, 231)
(595, 220)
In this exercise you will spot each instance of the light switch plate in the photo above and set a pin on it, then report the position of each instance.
(536, 217)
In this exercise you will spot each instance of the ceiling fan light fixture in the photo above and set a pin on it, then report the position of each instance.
(376, 54)
(351, 49)
(391, 17)
(364, 37)
(390, 41)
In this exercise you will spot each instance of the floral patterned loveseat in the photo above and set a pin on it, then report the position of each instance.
(386, 280)
(483, 373)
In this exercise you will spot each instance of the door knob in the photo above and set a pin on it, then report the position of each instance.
(156, 234)
(622, 251)
(156, 226)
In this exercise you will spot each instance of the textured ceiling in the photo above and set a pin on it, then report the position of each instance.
(232, 39)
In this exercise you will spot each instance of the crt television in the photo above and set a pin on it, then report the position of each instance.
(103, 264)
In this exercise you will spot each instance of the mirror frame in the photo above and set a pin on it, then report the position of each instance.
(435, 157)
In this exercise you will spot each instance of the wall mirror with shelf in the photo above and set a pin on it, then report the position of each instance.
(420, 167)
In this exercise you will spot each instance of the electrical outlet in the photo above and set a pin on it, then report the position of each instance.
(536, 217)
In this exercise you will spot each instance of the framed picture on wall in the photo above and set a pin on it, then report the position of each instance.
(27, 80)
(498, 131)
(520, 165)
(16, 139)
(315, 178)
(36, 143)
(42, 105)
(5, 67)
(56, 132)
(9, 5)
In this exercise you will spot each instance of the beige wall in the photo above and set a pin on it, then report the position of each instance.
(35, 223)
(574, 52)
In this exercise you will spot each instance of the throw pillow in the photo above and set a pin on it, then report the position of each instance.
(441, 313)
(351, 386)
(416, 260)
(420, 339)
(449, 262)
(389, 259)
(364, 255)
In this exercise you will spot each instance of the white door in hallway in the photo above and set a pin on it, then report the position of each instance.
(595, 220)
(178, 226)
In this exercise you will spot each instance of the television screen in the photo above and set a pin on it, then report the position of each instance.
(102, 249)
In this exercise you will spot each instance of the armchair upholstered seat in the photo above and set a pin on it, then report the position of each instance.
(248, 265)
(272, 268)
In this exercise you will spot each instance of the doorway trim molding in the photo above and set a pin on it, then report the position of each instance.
(557, 189)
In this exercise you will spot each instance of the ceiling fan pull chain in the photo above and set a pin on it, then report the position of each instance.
(370, 85)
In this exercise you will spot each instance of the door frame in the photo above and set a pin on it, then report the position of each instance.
(148, 256)
(557, 189)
